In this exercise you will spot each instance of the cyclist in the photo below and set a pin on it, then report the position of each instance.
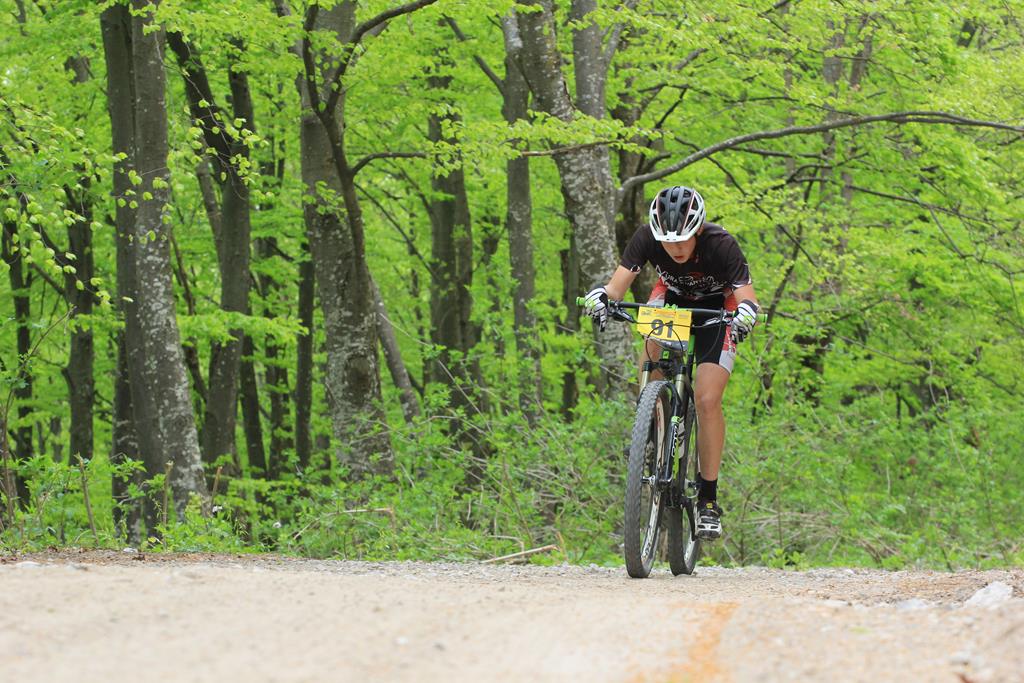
(699, 265)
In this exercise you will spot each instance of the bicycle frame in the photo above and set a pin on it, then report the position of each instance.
(677, 365)
(681, 367)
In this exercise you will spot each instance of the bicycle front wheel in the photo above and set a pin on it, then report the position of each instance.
(644, 495)
(683, 544)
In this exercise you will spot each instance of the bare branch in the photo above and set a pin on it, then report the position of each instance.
(772, 153)
(333, 83)
(918, 202)
(615, 34)
(1013, 391)
(387, 15)
(570, 148)
(201, 102)
(668, 112)
(519, 555)
(723, 169)
(780, 4)
(894, 117)
(797, 243)
(424, 201)
(307, 58)
(653, 161)
(49, 280)
(656, 89)
(410, 243)
(933, 211)
(480, 61)
(23, 365)
(386, 155)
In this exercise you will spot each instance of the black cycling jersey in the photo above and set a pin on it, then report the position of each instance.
(716, 268)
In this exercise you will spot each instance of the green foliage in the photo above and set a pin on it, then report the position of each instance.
(872, 421)
(56, 513)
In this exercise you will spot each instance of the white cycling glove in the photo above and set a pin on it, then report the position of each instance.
(596, 306)
(744, 319)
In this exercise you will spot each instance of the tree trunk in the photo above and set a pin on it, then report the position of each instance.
(276, 379)
(211, 203)
(21, 280)
(55, 431)
(232, 233)
(235, 280)
(303, 398)
(634, 205)
(451, 264)
(249, 400)
(585, 176)
(125, 446)
(570, 286)
(399, 375)
(765, 394)
(115, 23)
(161, 403)
(79, 370)
(337, 241)
(519, 223)
(590, 69)
(190, 348)
(275, 374)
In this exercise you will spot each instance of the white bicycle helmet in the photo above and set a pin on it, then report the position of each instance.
(677, 214)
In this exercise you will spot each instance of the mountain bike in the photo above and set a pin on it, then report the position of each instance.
(663, 468)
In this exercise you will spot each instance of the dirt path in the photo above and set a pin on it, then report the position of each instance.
(106, 616)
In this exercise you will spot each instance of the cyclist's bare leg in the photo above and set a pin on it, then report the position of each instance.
(709, 388)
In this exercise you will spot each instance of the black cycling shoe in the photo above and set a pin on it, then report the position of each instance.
(709, 520)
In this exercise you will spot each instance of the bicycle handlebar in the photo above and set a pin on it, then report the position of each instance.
(615, 310)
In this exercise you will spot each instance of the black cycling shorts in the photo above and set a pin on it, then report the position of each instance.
(712, 344)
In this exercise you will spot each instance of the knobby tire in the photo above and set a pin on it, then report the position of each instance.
(683, 547)
(646, 453)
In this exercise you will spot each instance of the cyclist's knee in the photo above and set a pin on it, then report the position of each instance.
(708, 402)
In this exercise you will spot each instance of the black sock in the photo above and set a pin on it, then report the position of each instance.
(708, 491)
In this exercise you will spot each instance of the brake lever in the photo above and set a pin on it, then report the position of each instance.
(620, 313)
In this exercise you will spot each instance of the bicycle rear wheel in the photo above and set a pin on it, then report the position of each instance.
(646, 461)
(683, 545)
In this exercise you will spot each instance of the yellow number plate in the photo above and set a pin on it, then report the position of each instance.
(668, 324)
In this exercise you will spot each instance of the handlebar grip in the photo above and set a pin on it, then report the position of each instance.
(580, 300)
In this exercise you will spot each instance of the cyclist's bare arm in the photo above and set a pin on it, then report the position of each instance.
(740, 293)
(617, 287)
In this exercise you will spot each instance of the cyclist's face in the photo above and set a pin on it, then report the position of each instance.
(680, 251)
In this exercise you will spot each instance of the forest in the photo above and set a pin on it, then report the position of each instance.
(300, 276)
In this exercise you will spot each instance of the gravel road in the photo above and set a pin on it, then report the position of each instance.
(95, 616)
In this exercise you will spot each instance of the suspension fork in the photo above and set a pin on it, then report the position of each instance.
(645, 376)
